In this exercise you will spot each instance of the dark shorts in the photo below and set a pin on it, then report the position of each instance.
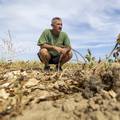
(53, 60)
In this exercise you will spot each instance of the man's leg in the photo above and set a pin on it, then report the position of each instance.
(64, 59)
(44, 56)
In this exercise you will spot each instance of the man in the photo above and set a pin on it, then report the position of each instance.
(54, 45)
(117, 48)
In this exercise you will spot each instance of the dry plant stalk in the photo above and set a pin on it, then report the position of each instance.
(18, 96)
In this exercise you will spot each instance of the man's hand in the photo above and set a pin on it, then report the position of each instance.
(58, 49)
(61, 50)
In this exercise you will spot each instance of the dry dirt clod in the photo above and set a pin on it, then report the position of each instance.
(4, 94)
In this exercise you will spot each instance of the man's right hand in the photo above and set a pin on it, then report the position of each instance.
(60, 50)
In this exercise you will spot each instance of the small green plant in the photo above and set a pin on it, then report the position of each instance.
(90, 58)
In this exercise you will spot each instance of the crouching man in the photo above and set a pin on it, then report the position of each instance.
(54, 45)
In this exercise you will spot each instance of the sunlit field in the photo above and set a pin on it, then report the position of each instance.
(86, 91)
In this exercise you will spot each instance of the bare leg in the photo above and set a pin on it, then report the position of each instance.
(45, 56)
(66, 58)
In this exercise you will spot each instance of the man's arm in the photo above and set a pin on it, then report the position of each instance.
(47, 46)
(61, 49)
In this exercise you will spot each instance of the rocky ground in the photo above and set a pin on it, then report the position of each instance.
(79, 92)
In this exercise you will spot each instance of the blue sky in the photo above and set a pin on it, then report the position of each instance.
(92, 24)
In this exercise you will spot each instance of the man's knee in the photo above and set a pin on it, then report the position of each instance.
(44, 55)
(69, 55)
(43, 52)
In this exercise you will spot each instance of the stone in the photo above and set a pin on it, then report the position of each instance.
(4, 94)
(31, 82)
(98, 115)
(112, 94)
(5, 85)
(68, 106)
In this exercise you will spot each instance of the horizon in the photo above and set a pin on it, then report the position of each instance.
(89, 24)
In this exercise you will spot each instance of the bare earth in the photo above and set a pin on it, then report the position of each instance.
(79, 92)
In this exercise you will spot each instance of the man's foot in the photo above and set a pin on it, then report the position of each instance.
(47, 68)
(58, 68)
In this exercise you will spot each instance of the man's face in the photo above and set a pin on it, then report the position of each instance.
(57, 26)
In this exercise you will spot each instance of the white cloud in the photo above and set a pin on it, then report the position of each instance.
(27, 19)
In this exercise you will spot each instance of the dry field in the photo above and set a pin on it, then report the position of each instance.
(80, 92)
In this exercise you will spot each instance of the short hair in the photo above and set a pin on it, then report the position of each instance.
(55, 18)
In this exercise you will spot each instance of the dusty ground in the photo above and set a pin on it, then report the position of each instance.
(80, 92)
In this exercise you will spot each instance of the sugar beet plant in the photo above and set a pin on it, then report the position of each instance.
(90, 59)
